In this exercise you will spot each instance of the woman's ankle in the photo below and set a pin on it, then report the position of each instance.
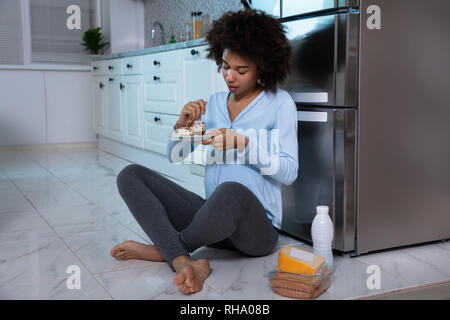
(180, 261)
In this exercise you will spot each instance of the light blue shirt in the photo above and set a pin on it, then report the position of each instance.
(268, 161)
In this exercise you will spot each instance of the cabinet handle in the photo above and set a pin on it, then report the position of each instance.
(156, 63)
(129, 66)
(194, 52)
(101, 85)
(157, 119)
(110, 67)
(155, 78)
(111, 79)
(122, 86)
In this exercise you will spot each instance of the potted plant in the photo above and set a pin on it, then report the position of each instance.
(93, 41)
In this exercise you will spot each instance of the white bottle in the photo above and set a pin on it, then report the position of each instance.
(322, 234)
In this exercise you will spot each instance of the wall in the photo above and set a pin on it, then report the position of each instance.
(172, 14)
(126, 18)
(45, 106)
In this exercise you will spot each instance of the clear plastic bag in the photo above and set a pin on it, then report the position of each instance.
(301, 286)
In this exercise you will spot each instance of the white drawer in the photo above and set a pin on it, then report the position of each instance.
(113, 66)
(162, 92)
(162, 62)
(98, 67)
(194, 53)
(157, 128)
(132, 65)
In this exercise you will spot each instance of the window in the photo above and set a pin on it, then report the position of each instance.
(268, 6)
(11, 32)
(51, 40)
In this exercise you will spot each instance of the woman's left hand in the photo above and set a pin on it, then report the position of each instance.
(224, 138)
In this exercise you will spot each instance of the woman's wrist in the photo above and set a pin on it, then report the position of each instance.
(178, 125)
(238, 144)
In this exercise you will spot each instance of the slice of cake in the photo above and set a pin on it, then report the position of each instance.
(183, 131)
(191, 129)
(198, 128)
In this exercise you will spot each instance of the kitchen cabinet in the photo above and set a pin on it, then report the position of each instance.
(198, 74)
(162, 92)
(98, 68)
(157, 127)
(114, 124)
(169, 61)
(113, 67)
(132, 107)
(98, 90)
(162, 82)
(138, 99)
(117, 99)
(132, 65)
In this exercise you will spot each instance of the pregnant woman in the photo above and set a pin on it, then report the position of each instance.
(242, 207)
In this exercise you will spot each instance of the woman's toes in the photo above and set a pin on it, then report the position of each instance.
(179, 279)
(184, 288)
(114, 250)
(119, 255)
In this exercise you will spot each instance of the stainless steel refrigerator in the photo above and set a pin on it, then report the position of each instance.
(371, 80)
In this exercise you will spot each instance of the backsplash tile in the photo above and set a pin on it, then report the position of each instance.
(174, 14)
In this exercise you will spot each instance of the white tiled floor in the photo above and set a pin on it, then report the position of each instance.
(59, 206)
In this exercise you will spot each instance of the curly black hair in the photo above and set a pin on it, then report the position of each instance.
(256, 36)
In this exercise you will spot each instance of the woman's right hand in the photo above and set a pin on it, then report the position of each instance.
(191, 112)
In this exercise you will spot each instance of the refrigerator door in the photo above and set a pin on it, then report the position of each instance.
(324, 65)
(314, 184)
(326, 175)
(404, 132)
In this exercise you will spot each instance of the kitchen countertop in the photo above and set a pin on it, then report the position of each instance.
(156, 49)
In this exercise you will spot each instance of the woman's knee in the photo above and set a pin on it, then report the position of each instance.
(125, 174)
(230, 186)
(235, 193)
(132, 172)
(239, 197)
(128, 175)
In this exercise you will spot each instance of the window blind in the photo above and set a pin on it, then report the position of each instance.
(51, 40)
(11, 38)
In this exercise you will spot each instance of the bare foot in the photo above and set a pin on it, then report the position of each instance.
(134, 250)
(191, 274)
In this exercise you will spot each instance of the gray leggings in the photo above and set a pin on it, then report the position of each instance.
(179, 221)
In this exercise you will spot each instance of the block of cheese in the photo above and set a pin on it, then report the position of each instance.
(296, 260)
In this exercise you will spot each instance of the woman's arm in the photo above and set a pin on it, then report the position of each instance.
(177, 151)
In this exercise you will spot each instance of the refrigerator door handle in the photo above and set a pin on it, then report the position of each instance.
(312, 116)
(309, 97)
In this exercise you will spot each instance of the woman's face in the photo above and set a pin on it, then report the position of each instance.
(239, 74)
